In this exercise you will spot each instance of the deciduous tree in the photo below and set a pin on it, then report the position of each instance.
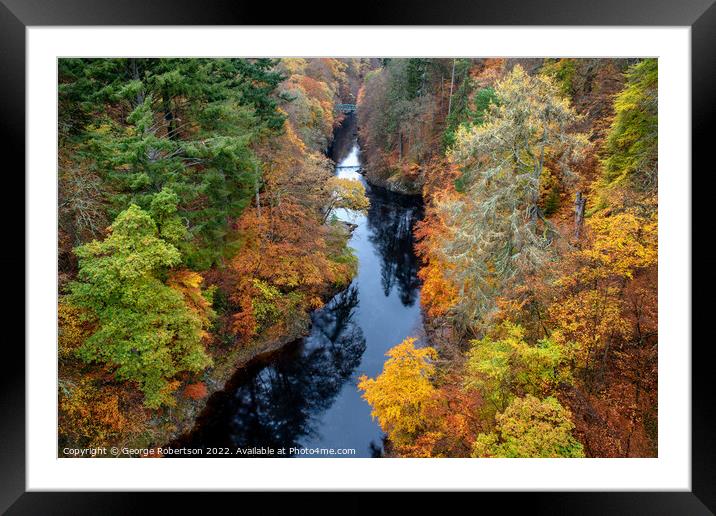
(402, 393)
(145, 333)
(531, 427)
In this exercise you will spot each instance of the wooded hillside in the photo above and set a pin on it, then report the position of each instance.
(539, 252)
(195, 225)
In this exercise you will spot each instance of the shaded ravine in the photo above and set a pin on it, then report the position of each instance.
(304, 397)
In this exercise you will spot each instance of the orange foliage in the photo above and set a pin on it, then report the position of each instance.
(594, 300)
(195, 391)
(91, 414)
(438, 294)
(286, 246)
(454, 424)
(189, 284)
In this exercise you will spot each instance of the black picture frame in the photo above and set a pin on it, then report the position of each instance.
(17, 15)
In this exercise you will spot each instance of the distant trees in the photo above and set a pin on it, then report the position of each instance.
(314, 86)
(400, 110)
(468, 104)
(290, 255)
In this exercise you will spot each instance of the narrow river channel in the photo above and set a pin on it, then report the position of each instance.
(305, 396)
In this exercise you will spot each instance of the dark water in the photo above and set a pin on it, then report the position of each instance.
(305, 396)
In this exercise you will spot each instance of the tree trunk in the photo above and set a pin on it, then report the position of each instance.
(579, 203)
(168, 116)
(135, 75)
(452, 84)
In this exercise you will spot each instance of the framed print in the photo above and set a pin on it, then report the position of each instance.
(445, 250)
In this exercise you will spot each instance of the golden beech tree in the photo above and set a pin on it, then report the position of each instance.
(402, 394)
(347, 194)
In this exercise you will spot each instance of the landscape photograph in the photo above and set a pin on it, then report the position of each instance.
(345, 257)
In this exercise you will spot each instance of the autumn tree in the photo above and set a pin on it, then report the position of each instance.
(210, 168)
(313, 88)
(562, 72)
(468, 104)
(145, 333)
(507, 365)
(143, 125)
(402, 112)
(497, 229)
(89, 414)
(531, 427)
(289, 254)
(590, 310)
(347, 194)
(401, 394)
(545, 316)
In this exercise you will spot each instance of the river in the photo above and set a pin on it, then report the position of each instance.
(304, 397)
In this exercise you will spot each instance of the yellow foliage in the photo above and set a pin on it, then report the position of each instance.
(189, 284)
(591, 311)
(401, 395)
(348, 193)
(73, 329)
(89, 415)
(589, 318)
(621, 244)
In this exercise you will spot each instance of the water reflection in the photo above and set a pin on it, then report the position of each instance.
(273, 403)
(391, 231)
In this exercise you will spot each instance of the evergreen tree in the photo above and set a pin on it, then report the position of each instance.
(184, 124)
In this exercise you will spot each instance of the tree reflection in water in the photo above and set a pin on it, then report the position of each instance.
(391, 219)
(274, 404)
